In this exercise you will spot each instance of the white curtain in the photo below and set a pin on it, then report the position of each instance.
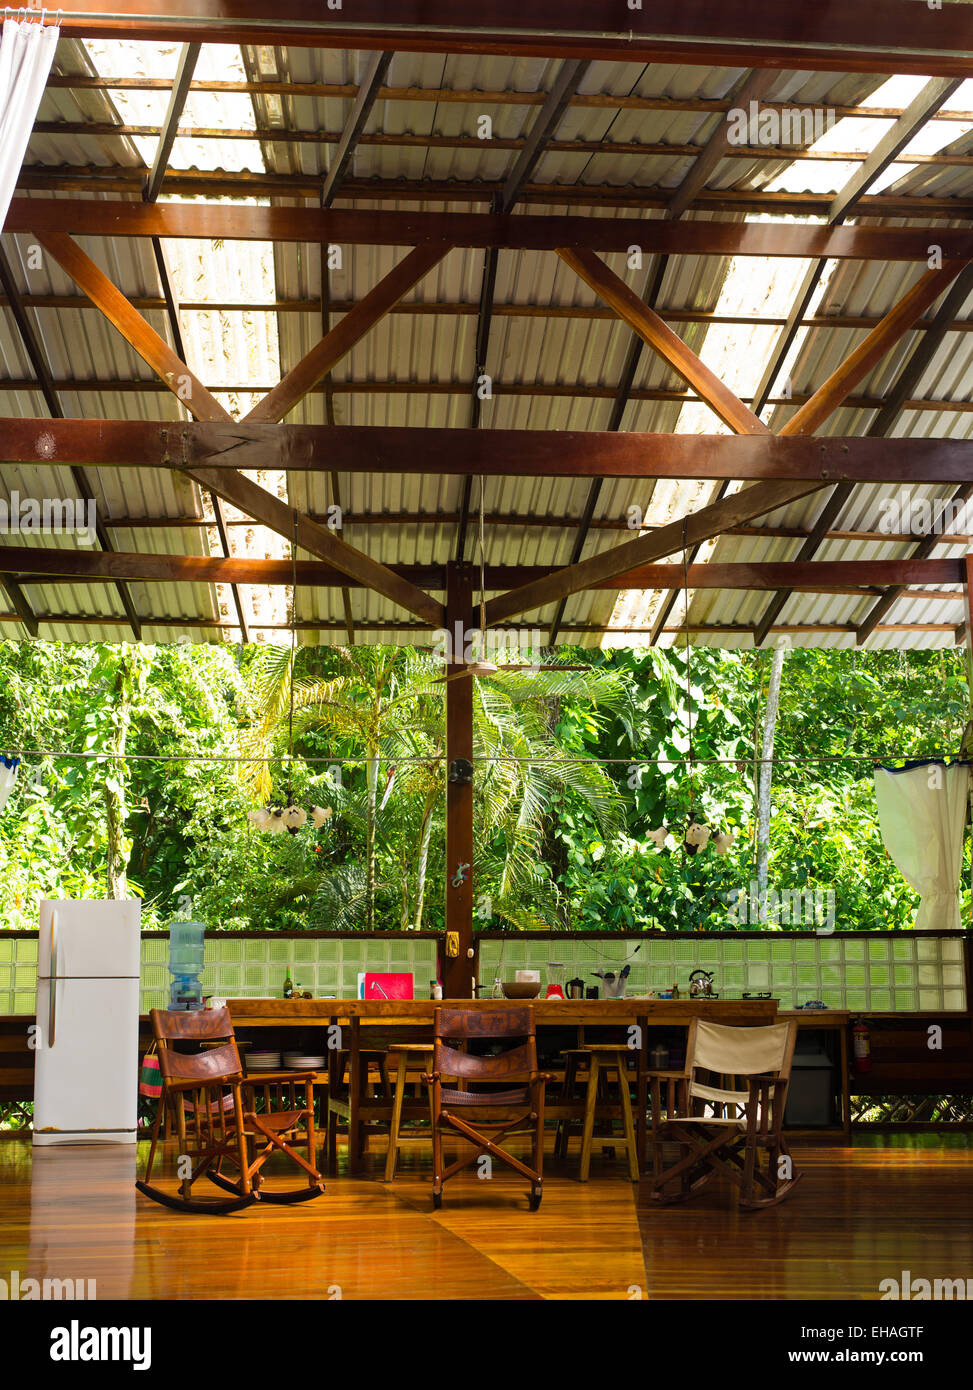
(922, 815)
(8, 775)
(26, 55)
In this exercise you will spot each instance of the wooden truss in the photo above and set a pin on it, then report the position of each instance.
(237, 447)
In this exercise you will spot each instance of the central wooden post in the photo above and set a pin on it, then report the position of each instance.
(457, 983)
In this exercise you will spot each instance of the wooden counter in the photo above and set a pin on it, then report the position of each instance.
(352, 1015)
(296, 1013)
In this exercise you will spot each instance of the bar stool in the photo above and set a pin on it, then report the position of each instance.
(602, 1061)
(402, 1054)
(373, 1071)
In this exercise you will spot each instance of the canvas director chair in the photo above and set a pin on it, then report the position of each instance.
(223, 1117)
(471, 1114)
(725, 1113)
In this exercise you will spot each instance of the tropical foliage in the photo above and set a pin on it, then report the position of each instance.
(141, 767)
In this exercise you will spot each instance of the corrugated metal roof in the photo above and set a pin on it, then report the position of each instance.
(576, 362)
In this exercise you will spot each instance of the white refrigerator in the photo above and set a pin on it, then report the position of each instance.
(86, 1059)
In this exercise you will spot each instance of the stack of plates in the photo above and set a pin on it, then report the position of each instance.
(297, 1061)
(263, 1061)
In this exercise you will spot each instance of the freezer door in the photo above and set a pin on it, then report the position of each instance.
(89, 938)
(86, 1084)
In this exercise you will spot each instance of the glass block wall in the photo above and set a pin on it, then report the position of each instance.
(901, 972)
(241, 967)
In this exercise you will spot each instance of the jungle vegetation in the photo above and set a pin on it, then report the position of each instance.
(141, 767)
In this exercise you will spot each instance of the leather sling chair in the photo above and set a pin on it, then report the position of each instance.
(730, 1122)
(222, 1117)
(473, 1114)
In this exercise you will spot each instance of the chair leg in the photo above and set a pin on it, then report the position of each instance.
(437, 1163)
(312, 1147)
(391, 1157)
(591, 1100)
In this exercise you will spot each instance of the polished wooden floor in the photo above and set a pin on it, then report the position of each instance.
(861, 1214)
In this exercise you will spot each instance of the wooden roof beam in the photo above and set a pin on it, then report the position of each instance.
(891, 36)
(378, 449)
(517, 231)
(38, 563)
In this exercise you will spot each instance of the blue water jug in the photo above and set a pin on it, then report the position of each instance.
(186, 954)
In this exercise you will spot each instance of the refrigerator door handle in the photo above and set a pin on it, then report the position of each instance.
(52, 1016)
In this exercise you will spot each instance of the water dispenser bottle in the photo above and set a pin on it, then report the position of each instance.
(186, 952)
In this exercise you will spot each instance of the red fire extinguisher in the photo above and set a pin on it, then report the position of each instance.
(862, 1047)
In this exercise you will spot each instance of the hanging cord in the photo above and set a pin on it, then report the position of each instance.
(482, 547)
(689, 711)
(290, 710)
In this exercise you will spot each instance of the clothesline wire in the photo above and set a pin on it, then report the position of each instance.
(94, 756)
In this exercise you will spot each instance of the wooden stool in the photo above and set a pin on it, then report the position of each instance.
(603, 1059)
(401, 1052)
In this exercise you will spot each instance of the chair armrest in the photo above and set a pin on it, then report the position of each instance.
(203, 1083)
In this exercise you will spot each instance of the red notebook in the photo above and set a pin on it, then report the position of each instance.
(379, 985)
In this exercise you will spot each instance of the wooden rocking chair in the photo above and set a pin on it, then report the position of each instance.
(455, 1110)
(222, 1116)
(732, 1131)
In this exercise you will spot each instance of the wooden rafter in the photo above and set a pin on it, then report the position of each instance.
(528, 521)
(929, 100)
(204, 183)
(210, 624)
(365, 97)
(178, 95)
(660, 337)
(543, 390)
(376, 69)
(340, 91)
(385, 140)
(754, 88)
(908, 381)
(755, 501)
(228, 483)
(317, 363)
(186, 66)
(37, 357)
(538, 138)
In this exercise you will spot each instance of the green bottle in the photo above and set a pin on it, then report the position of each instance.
(288, 985)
